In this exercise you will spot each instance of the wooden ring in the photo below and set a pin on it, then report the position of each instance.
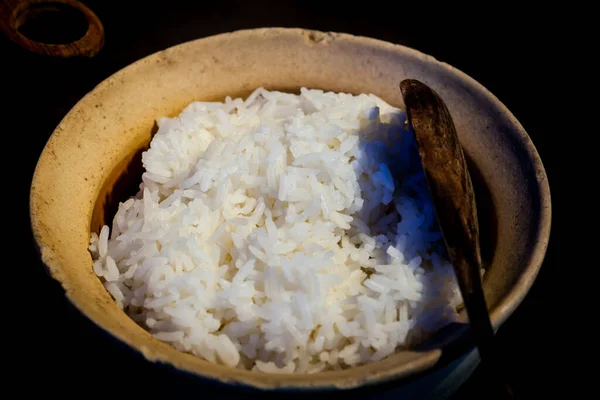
(88, 45)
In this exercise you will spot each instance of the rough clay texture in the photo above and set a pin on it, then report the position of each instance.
(94, 143)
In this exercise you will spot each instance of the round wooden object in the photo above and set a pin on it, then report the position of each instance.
(13, 14)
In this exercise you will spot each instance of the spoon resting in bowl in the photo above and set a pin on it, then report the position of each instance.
(453, 198)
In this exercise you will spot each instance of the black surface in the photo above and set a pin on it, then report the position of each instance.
(508, 50)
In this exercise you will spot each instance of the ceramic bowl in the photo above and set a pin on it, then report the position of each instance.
(92, 161)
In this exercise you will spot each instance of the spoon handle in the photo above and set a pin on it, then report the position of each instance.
(453, 198)
(483, 334)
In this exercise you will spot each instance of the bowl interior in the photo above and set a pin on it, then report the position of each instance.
(93, 161)
(123, 183)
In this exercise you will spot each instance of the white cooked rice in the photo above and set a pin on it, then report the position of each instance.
(283, 233)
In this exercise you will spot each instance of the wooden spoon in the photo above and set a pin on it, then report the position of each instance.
(454, 202)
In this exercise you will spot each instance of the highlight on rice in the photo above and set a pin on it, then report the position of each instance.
(283, 233)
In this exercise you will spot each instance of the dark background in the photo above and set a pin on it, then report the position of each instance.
(510, 50)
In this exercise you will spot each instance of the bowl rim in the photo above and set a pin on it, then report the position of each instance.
(427, 360)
